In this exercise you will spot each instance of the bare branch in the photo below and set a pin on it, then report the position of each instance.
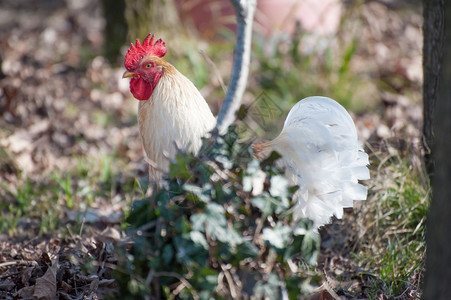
(245, 10)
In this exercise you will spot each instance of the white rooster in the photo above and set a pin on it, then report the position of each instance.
(322, 155)
(318, 143)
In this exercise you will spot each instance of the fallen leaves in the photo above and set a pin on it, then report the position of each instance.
(45, 288)
(50, 270)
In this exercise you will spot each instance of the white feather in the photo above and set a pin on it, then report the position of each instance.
(175, 117)
(322, 155)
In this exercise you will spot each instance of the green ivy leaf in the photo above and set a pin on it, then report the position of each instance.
(182, 225)
(141, 213)
(167, 254)
(206, 281)
(143, 182)
(264, 204)
(166, 207)
(279, 187)
(270, 161)
(305, 242)
(179, 167)
(269, 205)
(278, 237)
(246, 250)
(310, 247)
(214, 220)
(201, 193)
(213, 199)
(269, 289)
(188, 252)
(198, 238)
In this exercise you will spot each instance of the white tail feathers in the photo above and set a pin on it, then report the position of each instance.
(322, 155)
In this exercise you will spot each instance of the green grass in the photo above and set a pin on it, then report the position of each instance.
(43, 200)
(29, 200)
(290, 75)
(392, 226)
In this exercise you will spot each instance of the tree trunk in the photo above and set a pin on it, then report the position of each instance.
(115, 29)
(433, 29)
(159, 17)
(438, 261)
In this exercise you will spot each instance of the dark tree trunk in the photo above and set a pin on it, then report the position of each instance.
(115, 29)
(433, 28)
(438, 261)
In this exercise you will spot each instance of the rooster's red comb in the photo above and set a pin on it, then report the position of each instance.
(136, 52)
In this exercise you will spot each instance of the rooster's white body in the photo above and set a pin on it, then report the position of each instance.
(175, 117)
(322, 155)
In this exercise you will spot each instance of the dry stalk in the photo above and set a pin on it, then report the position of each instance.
(230, 281)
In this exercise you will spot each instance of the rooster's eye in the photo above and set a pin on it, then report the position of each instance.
(149, 66)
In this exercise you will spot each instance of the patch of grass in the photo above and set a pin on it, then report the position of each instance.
(66, 188)
(41, 202)
(29, 200)
(392, 226)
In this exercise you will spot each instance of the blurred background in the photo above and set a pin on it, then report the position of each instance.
(68, 133)
(61, 66)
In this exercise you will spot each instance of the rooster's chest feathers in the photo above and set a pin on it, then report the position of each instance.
(166, 125)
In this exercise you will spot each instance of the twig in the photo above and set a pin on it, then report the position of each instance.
(149, 277)
(257, 230)
(17, 262)
(102, 260)
(329, 289)
(82, 225)
(244, 10)
(230, 281)
(182, 280)
(224, 174)
(293, 267)
(283, 288)
(147, 226)
(220, 281)
(215, 70)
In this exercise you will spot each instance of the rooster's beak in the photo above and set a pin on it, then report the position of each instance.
(128, 74)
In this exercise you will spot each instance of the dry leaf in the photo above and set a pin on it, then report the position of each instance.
(26, 292)
(45, 288)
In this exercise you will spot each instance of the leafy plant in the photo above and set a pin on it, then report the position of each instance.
(209, 233)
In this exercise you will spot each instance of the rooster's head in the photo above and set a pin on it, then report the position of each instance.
(143, 64)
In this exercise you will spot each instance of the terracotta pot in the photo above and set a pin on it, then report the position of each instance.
(209, 17)
(320, 17)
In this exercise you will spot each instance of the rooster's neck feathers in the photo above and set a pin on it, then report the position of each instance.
(175, 117)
